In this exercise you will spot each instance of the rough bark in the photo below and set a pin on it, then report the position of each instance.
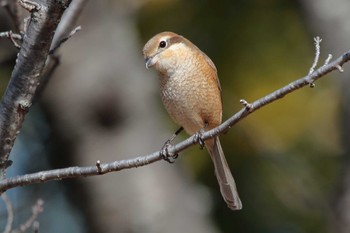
(25, 78)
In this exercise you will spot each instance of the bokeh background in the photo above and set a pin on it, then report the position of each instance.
(289, 159)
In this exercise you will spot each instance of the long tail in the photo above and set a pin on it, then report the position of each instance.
(223, 174)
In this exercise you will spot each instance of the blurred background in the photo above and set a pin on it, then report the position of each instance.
(290, 159)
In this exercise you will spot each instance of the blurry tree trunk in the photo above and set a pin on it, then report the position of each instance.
(330, 20)
(105, 105)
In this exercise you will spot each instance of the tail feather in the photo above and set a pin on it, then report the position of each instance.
(223, 174)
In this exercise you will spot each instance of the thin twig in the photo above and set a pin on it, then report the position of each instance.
(36, 226)
(26, 74)
(37, 208)
(246, 104)
(72, 172)
(9, 209)
(72, 33)
(65, 27)
(329, 58)
(341, 70)
(317, 40)
(13, 37)
(68, 22)
(30, 5)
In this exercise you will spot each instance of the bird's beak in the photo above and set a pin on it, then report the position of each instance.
(149, 61)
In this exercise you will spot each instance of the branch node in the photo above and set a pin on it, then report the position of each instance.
(329, 58)
(29, 5)
(72, 33)
(98, 166)
(311, 81)
(13, 37)
(341, 70)
(23, 106)
(317, 40)
(312, 84)
(247, 105)
(10, 214)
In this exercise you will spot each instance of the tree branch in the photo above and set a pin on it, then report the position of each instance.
(98, 169)
(13, 37)
(37, 209)
(18, 97)
(9, 209)
(63, 32)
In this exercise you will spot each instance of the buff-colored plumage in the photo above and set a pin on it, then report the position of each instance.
(191, 93)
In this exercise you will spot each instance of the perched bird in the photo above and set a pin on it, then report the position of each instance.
(191, 93)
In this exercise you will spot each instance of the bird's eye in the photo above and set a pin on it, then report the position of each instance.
(162, 44)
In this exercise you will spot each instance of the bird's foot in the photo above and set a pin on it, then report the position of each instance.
(198, 138)
(165, 153)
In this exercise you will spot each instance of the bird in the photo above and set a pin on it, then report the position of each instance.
(191, 93)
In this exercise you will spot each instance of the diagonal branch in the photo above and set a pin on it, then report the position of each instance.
(9, 208)
(18, 97)
(13, 37)
(37, 209)
(99, 168)
(63, 32)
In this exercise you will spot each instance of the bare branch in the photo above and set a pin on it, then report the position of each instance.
(71, 172)
(99, 168)
(36, 226)
(63, 32)
(340, 68)
(75, 30)
(30, 5)
(10, 215)
(329, 58)
(317, 40)
(13, 37)
(246, 104)
(68, 21)
(36, 210)
(27, 71)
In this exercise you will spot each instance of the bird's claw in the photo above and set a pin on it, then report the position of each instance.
(165, 153)
(199, 139)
